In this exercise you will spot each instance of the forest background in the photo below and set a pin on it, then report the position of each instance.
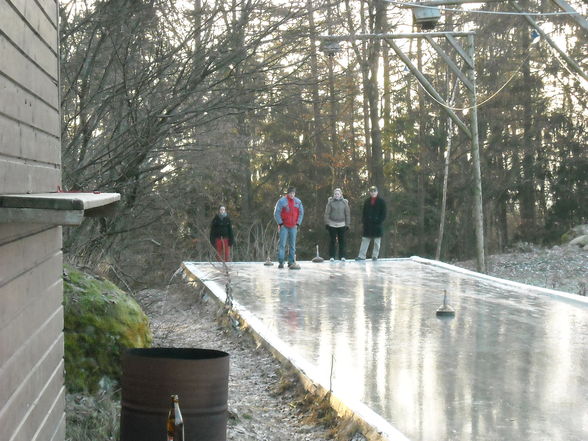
(181, 106)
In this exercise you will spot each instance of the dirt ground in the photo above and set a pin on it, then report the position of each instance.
(264, 402)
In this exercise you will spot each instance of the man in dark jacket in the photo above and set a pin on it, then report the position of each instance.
(374, 213)
(221, 234)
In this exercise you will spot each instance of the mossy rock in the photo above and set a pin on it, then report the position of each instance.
(580, 241)
(578, 230)
(101, 320)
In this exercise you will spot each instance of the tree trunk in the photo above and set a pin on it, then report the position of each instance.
(527, 187)
(319, 147)
(421, 158)
(450, 100)
(387, 98)
(335, 172)
(377, 12)
(477, 174)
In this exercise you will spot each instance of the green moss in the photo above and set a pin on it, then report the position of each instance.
(101, 321)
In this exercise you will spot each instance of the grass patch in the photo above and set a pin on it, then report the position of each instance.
(93, 417)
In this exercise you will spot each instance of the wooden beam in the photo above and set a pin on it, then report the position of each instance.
(429, 87)
(354, 37)
(573, 13)
(571, 63)
(456, 2)
(456, 70)
(417, 4)
(460, 50)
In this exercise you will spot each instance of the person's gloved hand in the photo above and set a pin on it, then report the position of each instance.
(327, 227)
(346, 228)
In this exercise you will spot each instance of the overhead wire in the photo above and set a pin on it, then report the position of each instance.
(541, 14)
(501, 88)
(479, 11)
(574, 75)
(487, 99)
(577, 77)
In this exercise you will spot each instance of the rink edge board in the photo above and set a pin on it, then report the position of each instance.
(533, 289)
(372, 425)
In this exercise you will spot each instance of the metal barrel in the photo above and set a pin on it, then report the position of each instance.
(200, 378)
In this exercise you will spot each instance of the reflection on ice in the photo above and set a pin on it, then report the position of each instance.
(510, 365)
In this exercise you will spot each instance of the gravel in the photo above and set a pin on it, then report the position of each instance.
(265, 403)
(563, 268)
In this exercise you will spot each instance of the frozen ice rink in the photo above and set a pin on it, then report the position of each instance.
(510, 366)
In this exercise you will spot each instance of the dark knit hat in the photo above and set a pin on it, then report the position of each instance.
(291, 189)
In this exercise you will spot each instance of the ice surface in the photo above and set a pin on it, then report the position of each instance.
(510, 366)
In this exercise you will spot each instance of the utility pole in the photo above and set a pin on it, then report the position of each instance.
(468, 78)
(426, 14)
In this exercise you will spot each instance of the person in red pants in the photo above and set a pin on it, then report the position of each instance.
(221, 234)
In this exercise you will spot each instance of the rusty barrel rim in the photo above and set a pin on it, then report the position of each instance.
(177, 353)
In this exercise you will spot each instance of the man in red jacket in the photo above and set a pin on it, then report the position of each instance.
(288, 214)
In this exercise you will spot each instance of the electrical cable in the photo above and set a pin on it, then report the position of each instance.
(487, 99)
(480, 11)
(580, 80)
(577, 77)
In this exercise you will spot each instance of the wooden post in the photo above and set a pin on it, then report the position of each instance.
(450, 100)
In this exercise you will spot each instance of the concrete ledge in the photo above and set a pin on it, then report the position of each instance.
(59, 208)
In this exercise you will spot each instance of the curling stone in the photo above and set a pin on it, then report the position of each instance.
(445, 310)
(268, 262)
(317, 259)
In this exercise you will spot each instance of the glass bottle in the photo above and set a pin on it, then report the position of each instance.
(175, 422)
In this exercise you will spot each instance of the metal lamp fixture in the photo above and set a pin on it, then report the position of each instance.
(330, 47)
(426, 17)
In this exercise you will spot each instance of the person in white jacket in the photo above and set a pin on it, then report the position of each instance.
(337, 222)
